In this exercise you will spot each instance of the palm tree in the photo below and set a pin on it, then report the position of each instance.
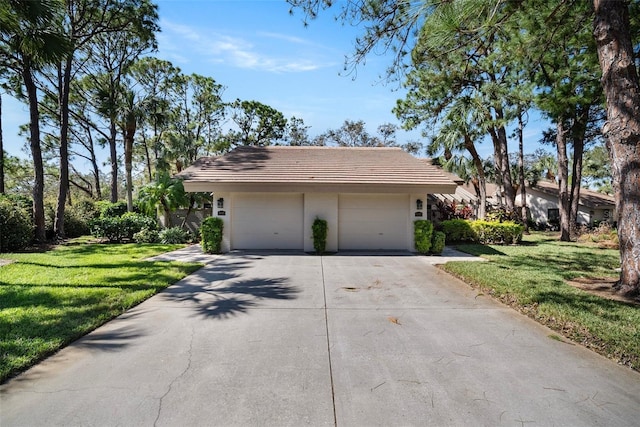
(30, 37)
(162, 197)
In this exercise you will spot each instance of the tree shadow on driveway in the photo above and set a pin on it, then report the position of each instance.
(218, 290)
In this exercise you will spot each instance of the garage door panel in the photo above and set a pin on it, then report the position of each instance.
(372, 222)
(267, 221)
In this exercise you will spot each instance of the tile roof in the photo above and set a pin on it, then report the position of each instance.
(588, 198)
(316, 165)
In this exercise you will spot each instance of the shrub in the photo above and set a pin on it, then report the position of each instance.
(146, 235)
(458, 230)
(174, 235)
(502, 215)
(112, 210)
(437, 242)
(319, 231)
(491, 232)
(16, 227)
(118, 229)
(211, 234)
(422, 234)
(454, 211)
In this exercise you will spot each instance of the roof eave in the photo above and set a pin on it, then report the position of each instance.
(243, 187)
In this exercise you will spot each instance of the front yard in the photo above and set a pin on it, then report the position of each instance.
(49, 299)
(543, 279)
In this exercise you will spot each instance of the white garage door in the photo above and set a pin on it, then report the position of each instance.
(267, 221)
(373, 221)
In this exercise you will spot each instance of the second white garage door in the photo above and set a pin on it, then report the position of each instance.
(267, 221)
(371, 222)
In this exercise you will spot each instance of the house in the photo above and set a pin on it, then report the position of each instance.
(544, 206)
(268, 197)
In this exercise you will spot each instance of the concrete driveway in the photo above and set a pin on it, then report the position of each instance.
(348, 340)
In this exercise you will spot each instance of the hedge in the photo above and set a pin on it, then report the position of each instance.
(422, 234)
(499, 233)
(458, 230)
(119, 229)
(211, 234)
(16, 227)
(437, 242)
(319, 231)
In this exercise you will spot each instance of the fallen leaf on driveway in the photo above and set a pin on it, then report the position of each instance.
(394, 320)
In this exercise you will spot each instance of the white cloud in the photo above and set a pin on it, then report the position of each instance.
(240, 52)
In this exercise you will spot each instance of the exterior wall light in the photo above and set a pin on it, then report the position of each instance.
(220, 203)
(419, 204)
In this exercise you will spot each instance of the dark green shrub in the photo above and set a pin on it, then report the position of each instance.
(458, 230)
(134, 222)
(319, 230)
(174, 235)
(147, 235)
(16, 227)
(211, 234)
(122, 228)
(422, 233)
(500, 233)
(437, 242)
(112, 210)
(107, 228)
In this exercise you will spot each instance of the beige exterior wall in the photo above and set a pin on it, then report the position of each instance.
(323, 206)
(355, 221)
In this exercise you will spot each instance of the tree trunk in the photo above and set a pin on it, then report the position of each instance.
(579, 130)
(63, 186)
(1, 152)
(622, 130)
(36, 153)
(563, 173)
(523, 190)
(505, 168)
(482, 180)
(113, 152)
(129, 133)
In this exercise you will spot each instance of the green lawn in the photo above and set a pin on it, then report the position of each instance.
(532, 278)
(49, 299)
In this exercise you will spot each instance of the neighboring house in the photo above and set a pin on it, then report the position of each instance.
(544, 207)
(268, 197)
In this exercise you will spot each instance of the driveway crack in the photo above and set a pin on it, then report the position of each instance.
(178, 377)
(326, 325)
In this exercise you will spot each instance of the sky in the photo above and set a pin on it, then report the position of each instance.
(258, 51)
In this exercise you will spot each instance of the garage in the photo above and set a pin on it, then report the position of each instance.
(267, 221)
(373, 221)
(269, 197)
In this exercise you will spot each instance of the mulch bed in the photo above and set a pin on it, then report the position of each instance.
(602, 287)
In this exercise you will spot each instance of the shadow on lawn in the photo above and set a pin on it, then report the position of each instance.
(218, 292)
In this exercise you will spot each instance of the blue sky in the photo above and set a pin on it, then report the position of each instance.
(258, 51)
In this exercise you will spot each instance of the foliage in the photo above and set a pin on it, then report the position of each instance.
(164, 195)
(211, 233)
(123, 228)
(319, 230)
(533, 279)
(147, 235)
(492, 232)
(438, 242)
(16, 227)
(258, 124)
(454, 210)
(603, 236)
(501, 214)
(112, 210)
(174, 235)
(422, 235)
(51, 299)
(458, 230)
